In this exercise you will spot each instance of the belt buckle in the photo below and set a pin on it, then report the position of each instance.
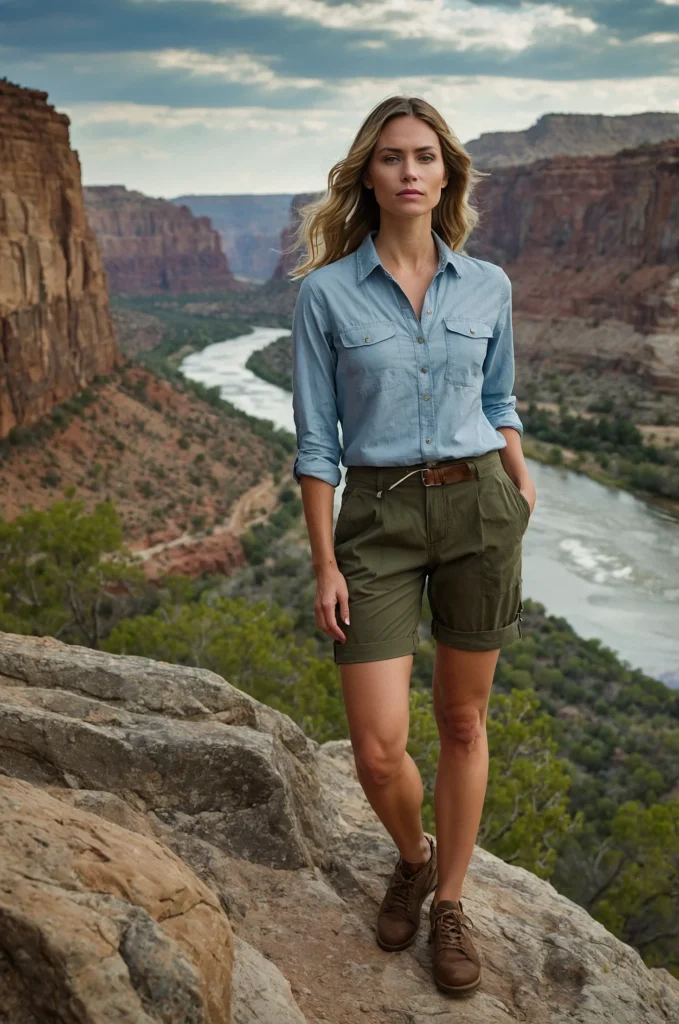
(434, 483)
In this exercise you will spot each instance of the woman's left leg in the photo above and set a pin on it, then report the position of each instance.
(461, 684)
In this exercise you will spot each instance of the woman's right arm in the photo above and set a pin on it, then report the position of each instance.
(316, 467)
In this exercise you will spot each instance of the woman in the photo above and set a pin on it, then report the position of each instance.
(407, 342)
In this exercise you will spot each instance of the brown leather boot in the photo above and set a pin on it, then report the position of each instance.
(398, 918)
(457, 968)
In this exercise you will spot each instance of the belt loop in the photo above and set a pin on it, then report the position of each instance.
(473, 465)
(380, 481)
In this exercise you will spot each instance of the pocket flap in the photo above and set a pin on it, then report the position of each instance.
(367, 334)
(470, 328)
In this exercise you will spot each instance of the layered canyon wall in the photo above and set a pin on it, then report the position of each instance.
(249, 226)
(55, 327)
(591, 245)
(152, 246)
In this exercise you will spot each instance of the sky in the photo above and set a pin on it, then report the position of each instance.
(263, 96)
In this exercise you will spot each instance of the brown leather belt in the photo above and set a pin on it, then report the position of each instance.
(436, 475)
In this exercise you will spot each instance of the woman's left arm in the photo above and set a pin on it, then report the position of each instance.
(497, 400)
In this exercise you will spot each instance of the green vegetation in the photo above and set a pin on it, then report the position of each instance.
(274, 363)
(616, 444)
(59, 570)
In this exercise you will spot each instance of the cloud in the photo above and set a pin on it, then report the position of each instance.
(459, 26)
(231, 67)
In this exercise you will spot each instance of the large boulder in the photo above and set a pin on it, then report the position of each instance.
(100, 925)
(179, 745)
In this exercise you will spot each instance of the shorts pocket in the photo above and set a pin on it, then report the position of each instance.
(504, 522)
(359, 509)
(466, 347)
(523, 501)
(370, 356)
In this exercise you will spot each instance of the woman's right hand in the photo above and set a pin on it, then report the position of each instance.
(331, 590)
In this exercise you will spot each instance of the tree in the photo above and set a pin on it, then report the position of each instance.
(60, 570)
(637, 871)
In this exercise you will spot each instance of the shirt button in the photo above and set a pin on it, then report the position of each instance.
(425, 397)
(421, 341)
(424, 369)
(367, 339)
(428, 312)
(428, 440)
(472, 330)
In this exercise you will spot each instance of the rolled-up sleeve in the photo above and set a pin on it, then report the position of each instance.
(314, 397)
(498, 403)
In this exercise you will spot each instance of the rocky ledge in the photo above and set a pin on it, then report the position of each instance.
(172, 850)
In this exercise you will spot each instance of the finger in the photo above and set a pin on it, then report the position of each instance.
(331, 621)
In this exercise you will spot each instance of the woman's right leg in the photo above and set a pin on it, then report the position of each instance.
(376, 698)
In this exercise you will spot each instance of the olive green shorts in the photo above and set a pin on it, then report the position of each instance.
(464, 539)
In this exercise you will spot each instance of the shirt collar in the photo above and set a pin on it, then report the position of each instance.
(367, 258)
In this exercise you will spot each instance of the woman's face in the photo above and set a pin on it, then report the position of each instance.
(407, 156)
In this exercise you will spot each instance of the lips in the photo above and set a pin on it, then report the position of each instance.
(409, 192)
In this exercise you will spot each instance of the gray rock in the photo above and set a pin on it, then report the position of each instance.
(178, 744)
(102, 926)
(261, 995)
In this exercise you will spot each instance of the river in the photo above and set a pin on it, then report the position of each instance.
(601, 558)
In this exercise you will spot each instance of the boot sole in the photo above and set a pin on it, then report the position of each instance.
(458, 990)
(404, 945)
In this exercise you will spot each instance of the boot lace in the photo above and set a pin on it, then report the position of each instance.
(451, 935)
(401, 890)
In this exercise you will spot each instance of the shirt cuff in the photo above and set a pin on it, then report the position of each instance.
(316, 465)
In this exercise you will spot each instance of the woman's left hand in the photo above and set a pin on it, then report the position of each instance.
(527, 488)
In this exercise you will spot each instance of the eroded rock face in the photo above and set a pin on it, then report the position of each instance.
(55, 327)
(151, 245)
(302, 892)
(101, 925)
(180, 745)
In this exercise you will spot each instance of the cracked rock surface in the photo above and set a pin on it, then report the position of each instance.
(157, 823)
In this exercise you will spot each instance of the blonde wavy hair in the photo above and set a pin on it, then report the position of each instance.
(334, 224)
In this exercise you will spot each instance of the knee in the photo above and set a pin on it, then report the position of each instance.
(378, 763)
(461, 725)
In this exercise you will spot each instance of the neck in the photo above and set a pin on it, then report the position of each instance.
(406, 246)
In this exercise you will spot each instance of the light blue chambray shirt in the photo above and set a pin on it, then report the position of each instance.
(405, 391)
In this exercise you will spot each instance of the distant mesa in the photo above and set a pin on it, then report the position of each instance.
(152, 246)
(572, 135)
(56, 333)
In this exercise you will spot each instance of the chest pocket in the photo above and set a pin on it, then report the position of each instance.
(370, 357)
(466, 346)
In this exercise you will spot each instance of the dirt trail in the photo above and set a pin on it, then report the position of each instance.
(244, 514)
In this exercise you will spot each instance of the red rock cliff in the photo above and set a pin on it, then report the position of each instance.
(591, 245)
(55, 326)
(151, 245)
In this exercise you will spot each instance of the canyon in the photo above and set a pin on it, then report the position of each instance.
(56, 333)
(152, 245)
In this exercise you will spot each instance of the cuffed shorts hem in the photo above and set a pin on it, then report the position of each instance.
(485, 640)
(380, 650)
